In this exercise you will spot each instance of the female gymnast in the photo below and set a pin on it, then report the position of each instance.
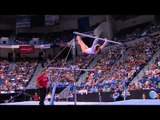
(94, 49)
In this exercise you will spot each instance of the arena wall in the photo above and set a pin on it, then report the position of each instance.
(134, 21)
(67, 22)
(109, 27)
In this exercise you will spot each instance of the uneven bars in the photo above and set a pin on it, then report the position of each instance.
(56, 68)
(85, 35)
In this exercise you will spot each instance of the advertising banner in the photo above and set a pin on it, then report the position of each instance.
(26, 49)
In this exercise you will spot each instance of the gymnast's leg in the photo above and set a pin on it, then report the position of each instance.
(82, 44)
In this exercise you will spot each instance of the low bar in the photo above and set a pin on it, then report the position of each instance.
(85, 35)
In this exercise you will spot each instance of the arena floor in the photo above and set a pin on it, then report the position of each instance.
(126, 102)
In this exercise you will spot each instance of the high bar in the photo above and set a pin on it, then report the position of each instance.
(85, 35)
(57, 68)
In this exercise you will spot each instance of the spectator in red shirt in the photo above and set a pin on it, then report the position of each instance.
(36, 97)
(42, 84)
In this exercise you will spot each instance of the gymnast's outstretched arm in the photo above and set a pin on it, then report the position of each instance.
(104, 44)
(95, 42)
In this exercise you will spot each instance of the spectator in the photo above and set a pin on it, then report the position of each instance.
(48, 97)
(35, 97)
(143, 96)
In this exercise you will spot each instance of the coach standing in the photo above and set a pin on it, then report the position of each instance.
(42, 84)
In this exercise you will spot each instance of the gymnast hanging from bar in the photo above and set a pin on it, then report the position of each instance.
(94, 49)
